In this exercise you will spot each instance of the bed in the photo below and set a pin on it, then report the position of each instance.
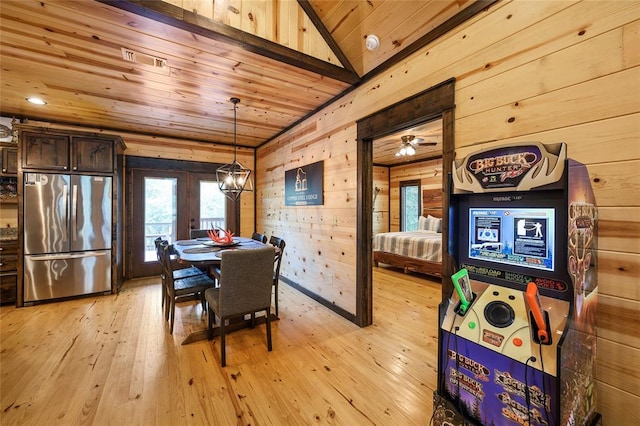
(416, 251)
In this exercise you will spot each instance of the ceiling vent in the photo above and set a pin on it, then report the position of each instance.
(141, 58)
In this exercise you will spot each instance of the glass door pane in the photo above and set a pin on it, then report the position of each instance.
(212, 205)
(160, 213)
(157, 204)
(209, 208)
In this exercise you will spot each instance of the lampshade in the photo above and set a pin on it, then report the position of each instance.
(405, 149)
(234, 178)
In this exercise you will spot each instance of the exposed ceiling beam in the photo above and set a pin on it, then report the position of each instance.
(326, 35)
(184, 19)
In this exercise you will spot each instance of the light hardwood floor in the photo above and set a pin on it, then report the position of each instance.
(110, 360)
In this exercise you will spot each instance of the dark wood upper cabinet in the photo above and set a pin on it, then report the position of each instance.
(8, 161)
(92, 154)
(45, 151)
(51, 151)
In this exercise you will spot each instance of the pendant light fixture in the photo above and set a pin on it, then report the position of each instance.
(234, 178)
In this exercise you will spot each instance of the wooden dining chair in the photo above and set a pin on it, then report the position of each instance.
(280, 244)
(244, 288)
(188, 271)
(259, 237)
(198, 233)
(179, 287)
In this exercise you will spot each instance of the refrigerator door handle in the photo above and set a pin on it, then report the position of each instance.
(64, 256)
(65, 213)
(74, 213)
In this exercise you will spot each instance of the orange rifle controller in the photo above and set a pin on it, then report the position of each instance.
(533, 302)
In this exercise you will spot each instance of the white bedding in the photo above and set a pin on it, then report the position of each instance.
(419, 244)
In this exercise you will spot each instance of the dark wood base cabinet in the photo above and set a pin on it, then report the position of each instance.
(8, 271)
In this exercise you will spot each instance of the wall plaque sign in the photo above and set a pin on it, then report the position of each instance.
(303, 185)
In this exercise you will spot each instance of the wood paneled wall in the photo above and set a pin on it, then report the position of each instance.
(381, 201)
(561, 71)
(321, 251)
(428, 172)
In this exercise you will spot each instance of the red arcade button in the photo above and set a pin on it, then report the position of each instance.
(517, 341)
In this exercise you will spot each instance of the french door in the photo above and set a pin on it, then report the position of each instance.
(168, 203)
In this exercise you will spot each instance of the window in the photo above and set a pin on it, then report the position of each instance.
(409, 205)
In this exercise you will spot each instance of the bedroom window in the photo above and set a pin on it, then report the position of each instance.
(409, 205)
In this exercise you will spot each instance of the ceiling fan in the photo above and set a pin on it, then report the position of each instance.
(408, 144)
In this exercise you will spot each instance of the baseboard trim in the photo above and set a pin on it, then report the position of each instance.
(324, 302)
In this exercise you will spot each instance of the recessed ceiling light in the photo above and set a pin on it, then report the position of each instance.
(36, 101)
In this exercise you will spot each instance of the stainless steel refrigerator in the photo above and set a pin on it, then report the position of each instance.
(67, 235)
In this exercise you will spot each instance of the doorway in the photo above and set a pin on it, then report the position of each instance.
(435, 102)
(168, 202)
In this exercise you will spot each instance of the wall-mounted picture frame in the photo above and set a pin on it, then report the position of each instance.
(303, 186)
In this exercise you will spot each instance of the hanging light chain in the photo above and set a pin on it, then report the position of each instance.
(235, 101)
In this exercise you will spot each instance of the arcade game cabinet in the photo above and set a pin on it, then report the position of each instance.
(517, 338)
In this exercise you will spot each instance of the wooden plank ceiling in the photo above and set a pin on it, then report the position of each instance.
(169, 68)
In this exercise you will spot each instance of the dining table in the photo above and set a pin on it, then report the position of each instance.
(205, 254)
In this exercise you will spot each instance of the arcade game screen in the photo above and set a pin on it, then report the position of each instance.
(522, 237)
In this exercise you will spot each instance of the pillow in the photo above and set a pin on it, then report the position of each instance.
(439, 227)
(430, 223)
(422, 223)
